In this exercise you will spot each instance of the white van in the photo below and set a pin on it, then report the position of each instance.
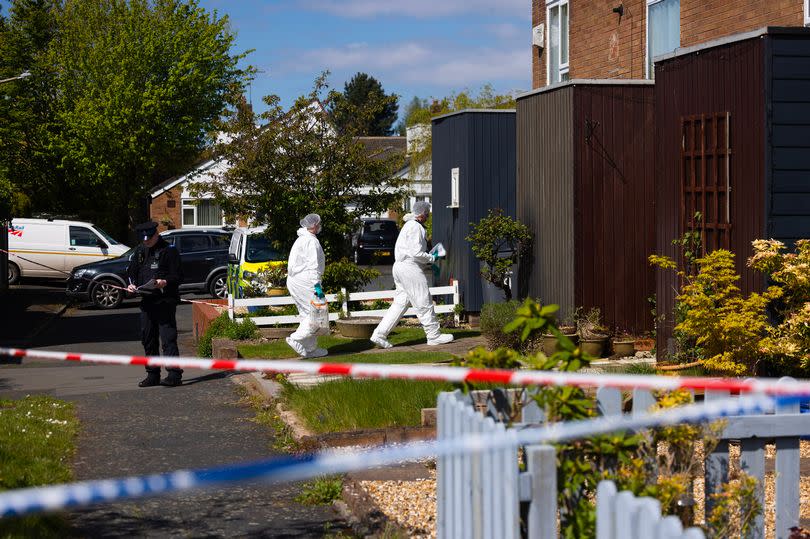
(51, 248)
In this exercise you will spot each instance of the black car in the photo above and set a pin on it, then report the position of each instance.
(374, 241)
(203, 256)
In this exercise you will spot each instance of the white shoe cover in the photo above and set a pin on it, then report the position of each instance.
(379, 341)
(297, 347)
(444, 338)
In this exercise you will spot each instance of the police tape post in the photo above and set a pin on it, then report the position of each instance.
(437, 373)
(50, 498)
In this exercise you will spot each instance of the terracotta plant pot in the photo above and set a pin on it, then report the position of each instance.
(644, 345)
(550, 342)
(593, 347)
(624, 347)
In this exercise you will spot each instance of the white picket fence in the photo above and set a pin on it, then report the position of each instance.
(480, 495)
(278, 301)
(621, 515)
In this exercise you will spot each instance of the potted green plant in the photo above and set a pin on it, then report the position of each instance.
(498, 241)
(623, 342)
(568, 327)
(593, 335)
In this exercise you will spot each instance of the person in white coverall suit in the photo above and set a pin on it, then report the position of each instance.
(410, 257)
(304, 271)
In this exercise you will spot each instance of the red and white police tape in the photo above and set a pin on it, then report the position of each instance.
(439, 373)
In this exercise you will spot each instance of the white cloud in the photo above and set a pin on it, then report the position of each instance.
(507, 31)
(448, 66)
(419, 8)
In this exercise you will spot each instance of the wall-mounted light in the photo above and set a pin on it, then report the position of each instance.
(619, 9)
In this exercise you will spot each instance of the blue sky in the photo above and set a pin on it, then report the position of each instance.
(425, 48)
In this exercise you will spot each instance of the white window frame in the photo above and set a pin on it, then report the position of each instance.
(188, 204)
(563, 67)
(807, 12)
(455, 188)
(647, 58)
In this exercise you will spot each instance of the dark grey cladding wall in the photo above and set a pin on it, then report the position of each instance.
(788, 206)
(482, 145)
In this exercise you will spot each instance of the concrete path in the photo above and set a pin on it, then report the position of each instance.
(127, 430)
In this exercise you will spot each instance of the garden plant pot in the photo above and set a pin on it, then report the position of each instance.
(281, 291)
(550, 344)
(644, 345)
(624, 347)
(593, 347)
(357, 328)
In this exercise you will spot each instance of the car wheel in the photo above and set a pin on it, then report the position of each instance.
(218, 286)
(13, 273)
(107, 294)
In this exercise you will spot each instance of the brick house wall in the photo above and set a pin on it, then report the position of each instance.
(165, 209)
(603, 45)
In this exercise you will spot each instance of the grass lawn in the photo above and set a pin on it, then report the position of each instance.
(350, 347)
(37, 442)
(344, 405)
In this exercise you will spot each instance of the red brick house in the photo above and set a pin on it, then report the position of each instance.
(618, 39)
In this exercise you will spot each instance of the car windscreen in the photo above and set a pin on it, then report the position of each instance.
(387, 229)
(104, 235)
(260, 249)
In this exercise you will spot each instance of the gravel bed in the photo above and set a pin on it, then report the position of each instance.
(411, 505)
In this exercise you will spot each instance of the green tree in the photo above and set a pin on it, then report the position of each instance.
(297, 163)
(364, 92)
(29, 171)
(137, 85)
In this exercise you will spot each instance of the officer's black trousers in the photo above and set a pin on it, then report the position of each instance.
(159, 329)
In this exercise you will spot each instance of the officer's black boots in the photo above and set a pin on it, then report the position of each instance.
(152, 379)
(173, 379)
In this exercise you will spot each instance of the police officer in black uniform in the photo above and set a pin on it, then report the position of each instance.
(154, 272)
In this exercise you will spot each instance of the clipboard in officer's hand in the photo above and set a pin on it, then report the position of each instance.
(149, 286)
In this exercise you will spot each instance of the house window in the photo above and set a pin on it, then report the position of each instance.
(557, 17)
(203, 212)
(807, 12)
(663, 30)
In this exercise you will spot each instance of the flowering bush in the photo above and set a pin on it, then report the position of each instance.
(790, 340)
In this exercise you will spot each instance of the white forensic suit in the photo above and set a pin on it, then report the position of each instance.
(410, 257)
(304, 269)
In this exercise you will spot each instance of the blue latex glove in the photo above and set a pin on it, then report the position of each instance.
(319, 291)
(435, 256)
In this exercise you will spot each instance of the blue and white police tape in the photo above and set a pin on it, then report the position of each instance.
(49, 498)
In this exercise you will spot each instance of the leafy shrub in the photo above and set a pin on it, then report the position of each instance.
(348, 275)
(730, 328)
(224, 327)
(789, 342)
(494, 236)
(494, 317)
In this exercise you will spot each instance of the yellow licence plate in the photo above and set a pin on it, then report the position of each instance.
(384, 253)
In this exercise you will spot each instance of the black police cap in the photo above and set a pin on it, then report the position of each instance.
(146, 230)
